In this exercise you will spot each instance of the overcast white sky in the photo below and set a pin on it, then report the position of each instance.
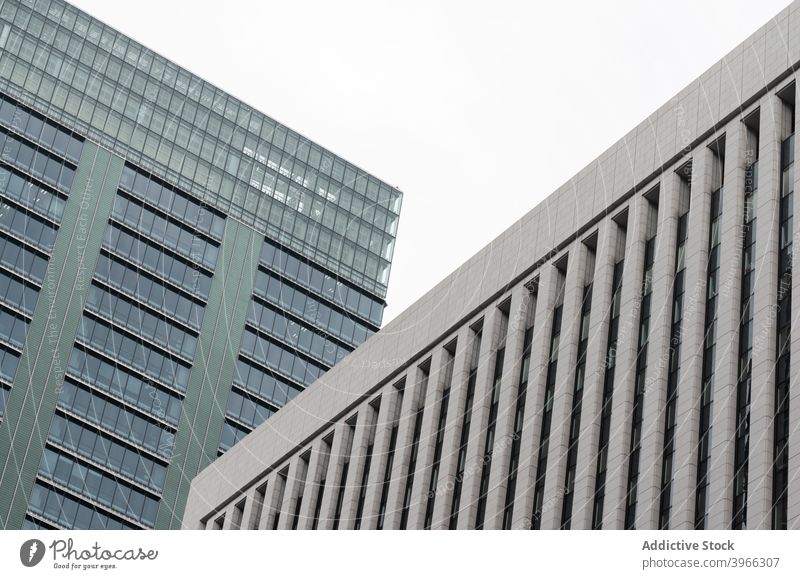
(475, 110)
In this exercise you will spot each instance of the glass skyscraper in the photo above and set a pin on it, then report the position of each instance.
(174, 267)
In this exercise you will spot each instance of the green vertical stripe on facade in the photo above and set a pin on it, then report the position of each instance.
(52, 330)
(197, 439)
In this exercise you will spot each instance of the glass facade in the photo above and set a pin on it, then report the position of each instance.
(38, 159)
(128, 352)
(301, 322)
(175, 125)
(175, 175)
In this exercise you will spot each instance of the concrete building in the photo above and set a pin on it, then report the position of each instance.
(174, 267)
(621, 357)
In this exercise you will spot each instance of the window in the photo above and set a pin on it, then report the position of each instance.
(258, 506)
(544, 437)
(238, 512)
